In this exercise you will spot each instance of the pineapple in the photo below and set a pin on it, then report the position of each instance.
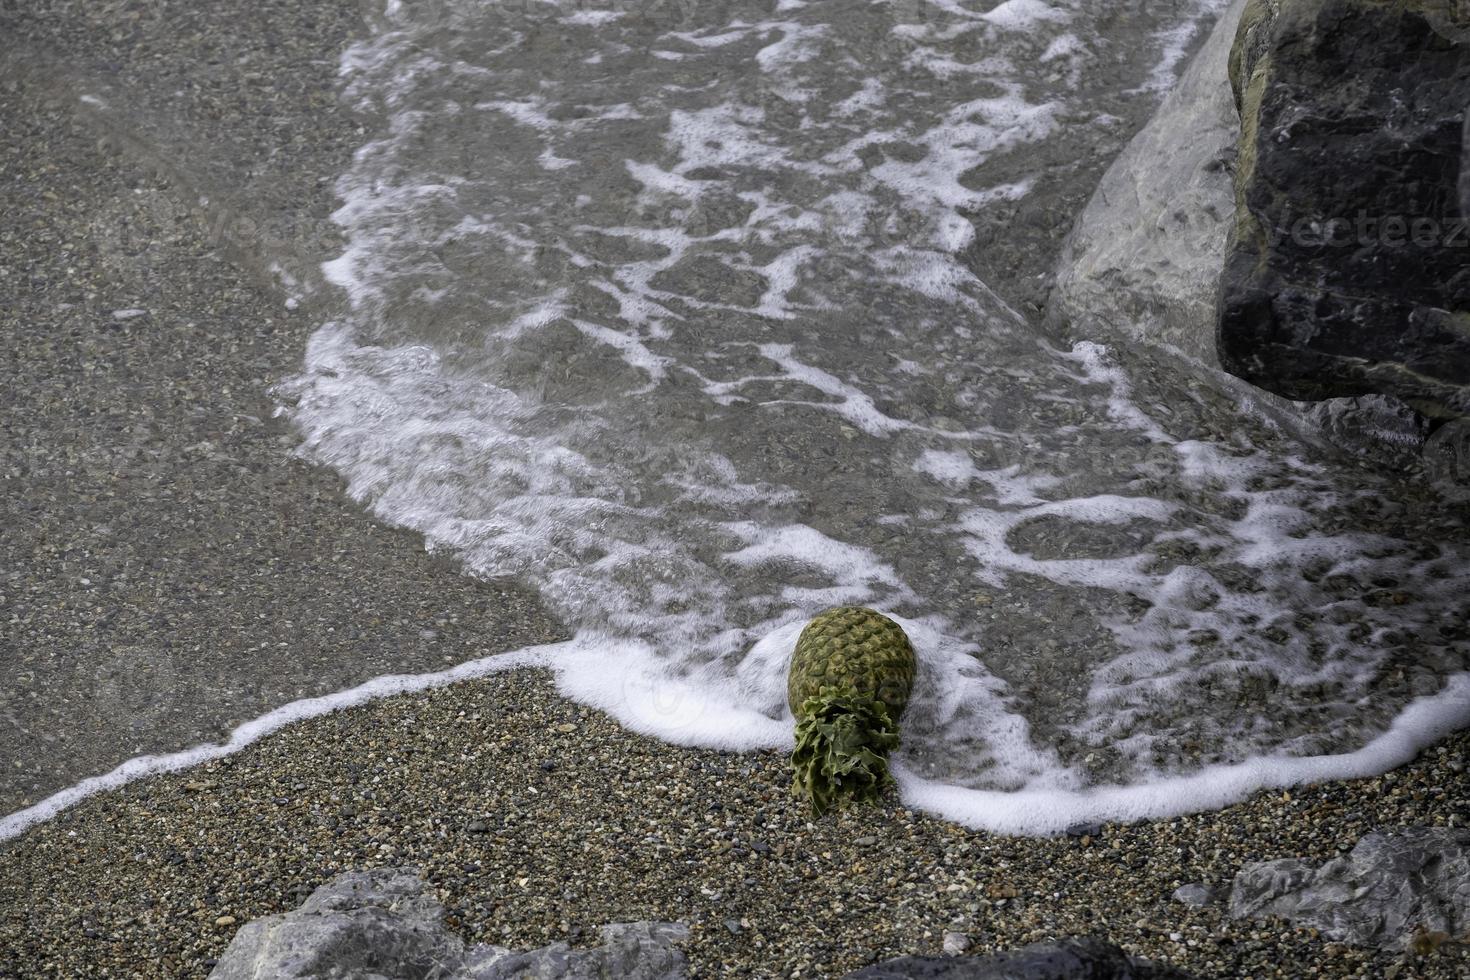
(850, 679)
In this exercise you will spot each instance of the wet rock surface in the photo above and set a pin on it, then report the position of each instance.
(1348, 269)
(1143, 261)
(1142, 266)
(1066, 959)
(1408, 889)
(386, 923)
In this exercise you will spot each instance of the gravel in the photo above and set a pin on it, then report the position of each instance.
(146, 879)
(167, 568)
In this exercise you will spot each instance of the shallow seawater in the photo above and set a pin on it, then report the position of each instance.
(671, 310)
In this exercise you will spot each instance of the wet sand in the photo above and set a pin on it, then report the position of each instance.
(167, 569)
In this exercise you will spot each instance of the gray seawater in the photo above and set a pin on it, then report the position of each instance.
(672, 310)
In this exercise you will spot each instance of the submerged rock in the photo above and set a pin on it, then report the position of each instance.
(1066, 959)
(1446, 457)
(1404, 889)
(384, 923)
(1348, 267)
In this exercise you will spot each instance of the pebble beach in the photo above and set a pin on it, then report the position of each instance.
(168, 569)
(143, 526)
(535, 820)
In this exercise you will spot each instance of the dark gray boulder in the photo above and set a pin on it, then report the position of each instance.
(1083, 958)
(1402, 889)
(384, 923)
(1348, 266)
(1141, 266)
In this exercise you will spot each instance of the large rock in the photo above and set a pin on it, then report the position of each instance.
(361, 923)
(384, 924)
(1067, 959)
(629, 951)
(1142, 265)
(1348, 267)
(1405, 889)
(1143, 260)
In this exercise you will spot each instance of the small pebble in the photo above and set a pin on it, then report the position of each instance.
(1194, 894)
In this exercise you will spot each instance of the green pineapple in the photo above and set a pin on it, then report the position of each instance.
(849, 681)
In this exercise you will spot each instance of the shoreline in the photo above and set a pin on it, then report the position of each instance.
(1210, 789)
(537, 819)
(13, 825)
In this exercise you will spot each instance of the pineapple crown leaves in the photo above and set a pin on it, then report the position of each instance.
(842, 742)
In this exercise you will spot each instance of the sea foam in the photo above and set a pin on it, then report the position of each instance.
(683, 333)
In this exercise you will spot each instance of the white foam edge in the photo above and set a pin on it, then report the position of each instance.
(616, 676)
(254, 730)
(1423, 722)
(692, 712)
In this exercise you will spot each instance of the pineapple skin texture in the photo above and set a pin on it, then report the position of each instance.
(857, 648)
